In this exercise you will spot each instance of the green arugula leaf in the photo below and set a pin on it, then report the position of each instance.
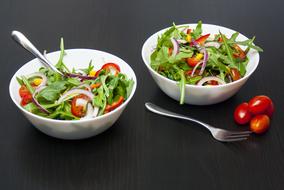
(198, 30)
(228, 49)
(233, 38)
(89, 68)
(20, 81)
(27, 84)
(193, 80)
(60, 65)
(164, 37)
(73, 81)
(52, 92)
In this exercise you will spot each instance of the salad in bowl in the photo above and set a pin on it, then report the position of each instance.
(83, 93)
(199, 56)
(94, 89)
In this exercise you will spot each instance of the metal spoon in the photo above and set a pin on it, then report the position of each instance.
(26, 44)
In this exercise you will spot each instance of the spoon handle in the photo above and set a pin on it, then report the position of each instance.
(26, 44)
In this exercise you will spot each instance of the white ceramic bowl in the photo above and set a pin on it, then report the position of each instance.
(199, 95)
(79, 129)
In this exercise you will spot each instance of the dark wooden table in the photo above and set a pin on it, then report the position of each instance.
(142, 150)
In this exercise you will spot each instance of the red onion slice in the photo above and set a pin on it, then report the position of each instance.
(96, 111)
(83, 77)
(42, 109)
(175, 46)
(195, 67)
(75, 91)
(41, 75)
(206, 79)
(91, 111)
(205, 59)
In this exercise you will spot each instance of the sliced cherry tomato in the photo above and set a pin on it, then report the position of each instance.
(213, 82)
(235, 74)
(259, 124)
(78, 110)
(192, 61)
(23, 91)
(240, 53)
(114, 105)
(98, 72)
(109, 67)
(220, 40)
(242, 115)
(259, 104)
(112, 67)
(27, 98)
(270, 110)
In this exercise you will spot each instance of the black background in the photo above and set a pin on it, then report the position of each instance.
(141, 150)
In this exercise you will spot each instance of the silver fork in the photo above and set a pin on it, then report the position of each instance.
(219, 134)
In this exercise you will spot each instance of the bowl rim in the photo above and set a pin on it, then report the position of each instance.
(75, 121)
(190, 85)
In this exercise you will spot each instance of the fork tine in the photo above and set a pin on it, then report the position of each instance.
(234, 139)
(239, 132)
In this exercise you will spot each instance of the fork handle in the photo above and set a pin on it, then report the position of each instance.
(161, 111)
(22, 40)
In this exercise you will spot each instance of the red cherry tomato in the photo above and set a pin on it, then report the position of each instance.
(259, 124)
(114, 105)
(235, 74)
(192, 61)
(27, 98)
(270, 110)
(23, 91)
(213, 83)
(78, 110)
(241, 54)
(259, 104)
(242, 115)
(109, 67)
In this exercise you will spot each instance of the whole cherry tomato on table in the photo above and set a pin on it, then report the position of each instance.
(270, 110)
(260, 104)
(259, 124)
(242, 115)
